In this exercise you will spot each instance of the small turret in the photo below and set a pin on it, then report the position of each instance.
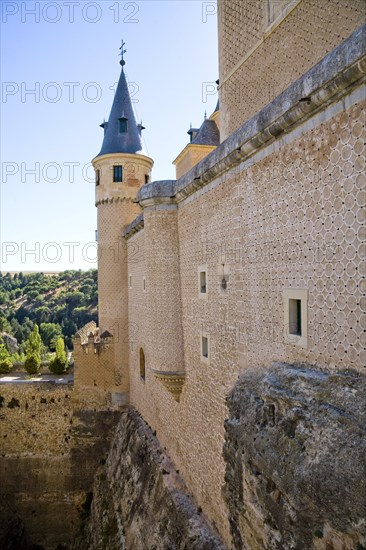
(203, 140)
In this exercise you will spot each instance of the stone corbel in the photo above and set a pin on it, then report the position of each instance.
(172, 381)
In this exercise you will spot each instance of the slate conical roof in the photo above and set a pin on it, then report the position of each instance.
(208, 134)
(115, 141)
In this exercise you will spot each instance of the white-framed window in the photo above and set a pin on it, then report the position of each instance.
(202, 281)
(295, 307)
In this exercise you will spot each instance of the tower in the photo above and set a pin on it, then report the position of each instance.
(121, 168)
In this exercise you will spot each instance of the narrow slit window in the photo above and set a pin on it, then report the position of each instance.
(97, 177)
(142, 365)
(147, 178)
(130, 281)
(205, 347)
(144, 284)
(117, 174)
(203, 282)
(295, 317)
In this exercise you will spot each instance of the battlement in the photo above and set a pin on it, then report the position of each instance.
(97, 380)
(89, 339)
(82, 335)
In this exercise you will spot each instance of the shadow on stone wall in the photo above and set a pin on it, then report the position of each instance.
(12, 532)
(50, 452)
(295, 455)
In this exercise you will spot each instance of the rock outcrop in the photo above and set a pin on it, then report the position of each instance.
(296, 460)
(140, 501)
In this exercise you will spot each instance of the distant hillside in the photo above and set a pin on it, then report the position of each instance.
(59, 303)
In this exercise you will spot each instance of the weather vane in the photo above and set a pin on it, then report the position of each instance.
(122, 62)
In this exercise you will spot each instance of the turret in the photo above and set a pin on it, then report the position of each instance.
(203, 141)
(121, 169)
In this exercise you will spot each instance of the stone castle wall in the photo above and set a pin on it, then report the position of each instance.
(112, 282)
(291, 217)
(50, 452)
(258, 62)
(95, 375)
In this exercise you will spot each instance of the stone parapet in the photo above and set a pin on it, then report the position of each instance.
(339, 72)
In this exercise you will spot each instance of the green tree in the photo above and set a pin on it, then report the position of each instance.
(42, 314)
(33, 294)
(5, 326)
(59, 364)
(18, 292)
(6, 362)
(50, 332)
(27, 327)
(4, 297)
(32, 362)
(74, 299)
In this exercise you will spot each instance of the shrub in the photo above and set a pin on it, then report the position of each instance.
(59, 364)
(6, 362)
(32, 364)
(5, 366)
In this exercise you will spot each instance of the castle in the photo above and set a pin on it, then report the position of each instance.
(252, 257)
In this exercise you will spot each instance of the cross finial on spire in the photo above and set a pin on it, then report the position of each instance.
(122, 62)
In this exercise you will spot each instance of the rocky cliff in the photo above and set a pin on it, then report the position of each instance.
(140, 501)
(296, 460)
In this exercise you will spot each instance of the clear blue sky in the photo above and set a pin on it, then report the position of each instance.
(67, 52)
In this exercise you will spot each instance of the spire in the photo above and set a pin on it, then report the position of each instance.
(208, 134)
(122, 62)
(121, 133)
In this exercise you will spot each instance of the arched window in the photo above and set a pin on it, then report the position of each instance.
(142, 364)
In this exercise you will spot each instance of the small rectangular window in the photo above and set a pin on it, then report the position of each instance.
(205, 347)
(97, 177)
(295, 302)
(122, 125)
(295, 317)
(203, 282)
(130, 281)
(117, 174)
(144, 284)
(147, 178)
